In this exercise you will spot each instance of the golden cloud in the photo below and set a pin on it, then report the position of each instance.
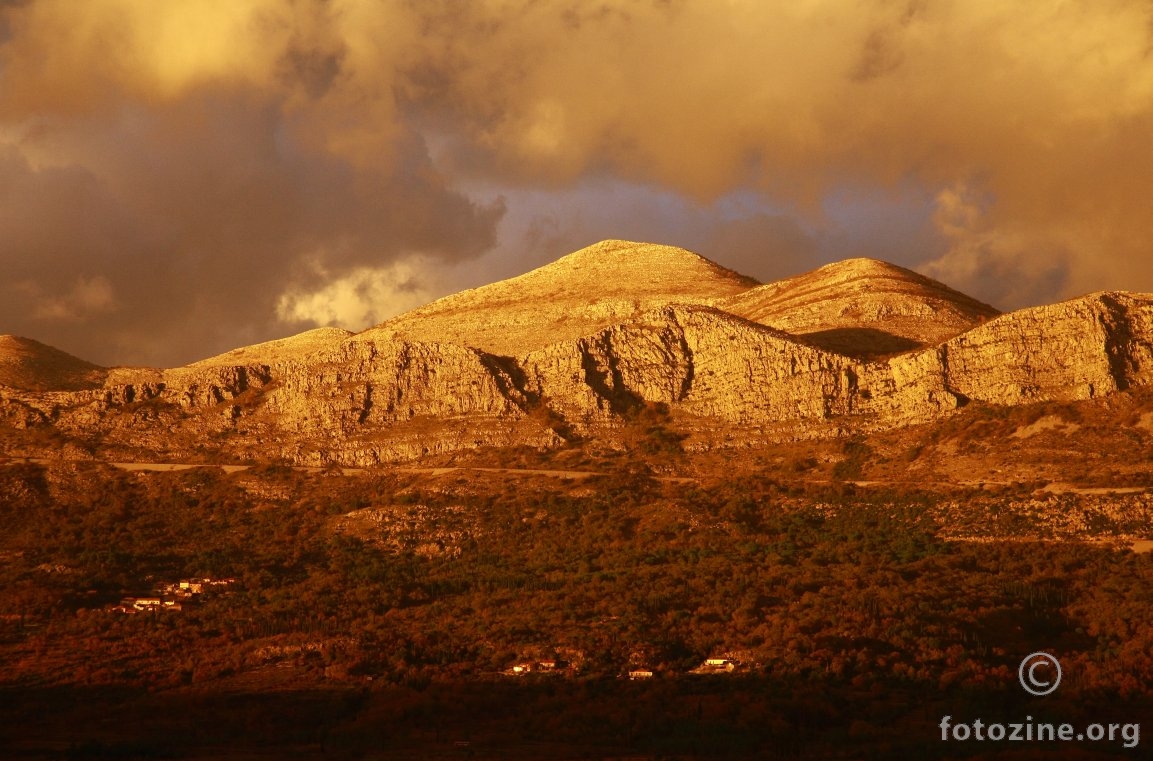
(1044, 107)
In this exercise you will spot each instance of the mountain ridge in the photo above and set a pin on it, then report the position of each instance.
(393, 392)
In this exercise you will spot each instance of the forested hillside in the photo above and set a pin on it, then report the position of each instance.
(393, 587)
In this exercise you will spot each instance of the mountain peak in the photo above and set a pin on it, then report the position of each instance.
(631, 267)
(576, 295)
(611, 253)
(609, 247)
(862, 307)
(864, 266)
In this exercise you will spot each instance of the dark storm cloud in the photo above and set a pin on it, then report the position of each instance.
(181, 177)
(160, 226)
(201, 216)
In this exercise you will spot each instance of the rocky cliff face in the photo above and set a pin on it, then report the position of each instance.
(359, 402)
(373, 397)
(1077, 349)
(378, 400)
(700, 360)
(714, 365)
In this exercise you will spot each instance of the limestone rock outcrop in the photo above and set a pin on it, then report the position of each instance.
(367, 382)
(1077, 349)
(701, 360)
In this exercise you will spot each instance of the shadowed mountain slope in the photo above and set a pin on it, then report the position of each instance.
(862, 307)
(33, 366)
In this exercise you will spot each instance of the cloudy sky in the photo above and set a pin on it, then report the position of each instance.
(178, 178)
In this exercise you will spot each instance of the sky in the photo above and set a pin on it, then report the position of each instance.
(181, 178)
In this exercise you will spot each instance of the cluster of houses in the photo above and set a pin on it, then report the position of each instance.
(527, 667)
(714, 665)
(171, 595)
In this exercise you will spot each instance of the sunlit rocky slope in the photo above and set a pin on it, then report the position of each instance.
(577, 295)
(575, 348)
(862, 307)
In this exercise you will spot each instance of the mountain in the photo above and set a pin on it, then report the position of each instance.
(33, 366)
(862, 307)
(576, 295)
(582, 348)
